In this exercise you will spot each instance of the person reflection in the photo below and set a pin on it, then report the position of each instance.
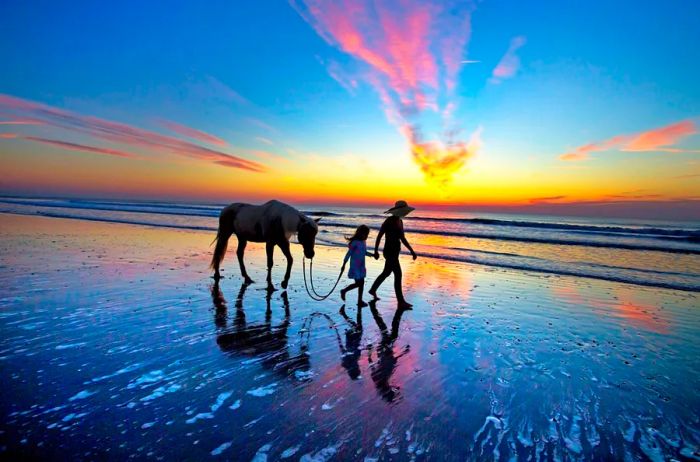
(258, 340)
(386, 361)
(353, 338)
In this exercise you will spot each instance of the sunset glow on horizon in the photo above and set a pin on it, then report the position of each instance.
(498, 104)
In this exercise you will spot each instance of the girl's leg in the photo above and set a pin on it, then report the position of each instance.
(360, 288)
(348, 288)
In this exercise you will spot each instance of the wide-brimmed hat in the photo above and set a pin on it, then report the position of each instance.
(400, 209)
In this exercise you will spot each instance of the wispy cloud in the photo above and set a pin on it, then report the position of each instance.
(509, 64)
(264, 140)
(20, 122)
(547, 200)
(658, 140)
(412, 51)
(132, 138)
(193, 133)
(80, 147)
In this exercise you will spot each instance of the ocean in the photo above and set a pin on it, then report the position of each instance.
(642, 252)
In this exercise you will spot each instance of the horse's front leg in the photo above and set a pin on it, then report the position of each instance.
(270, 249)
(240, 252)
(284, 246)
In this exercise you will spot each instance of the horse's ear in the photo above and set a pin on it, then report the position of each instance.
(317, 220)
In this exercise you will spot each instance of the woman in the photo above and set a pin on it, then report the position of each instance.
(393, 229)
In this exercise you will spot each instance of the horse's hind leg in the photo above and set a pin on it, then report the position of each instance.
(270, 249)
(284, 245)
(240, 251)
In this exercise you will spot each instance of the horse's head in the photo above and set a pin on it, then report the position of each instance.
(307, 236)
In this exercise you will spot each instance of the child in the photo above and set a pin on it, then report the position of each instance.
(356, 254)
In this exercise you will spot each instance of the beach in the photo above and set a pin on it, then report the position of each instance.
(117, 344)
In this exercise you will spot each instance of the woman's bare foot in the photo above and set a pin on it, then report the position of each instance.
(361, 304)
(404, 305)
(374, 295)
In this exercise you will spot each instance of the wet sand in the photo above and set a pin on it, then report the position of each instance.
(116, 344)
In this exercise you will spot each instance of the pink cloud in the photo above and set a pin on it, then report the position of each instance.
(115, 132)
(81, 147)
(193, 133)
(20, 122)
(658, 139)
(509, 64)
(412, 52)
(8, 136)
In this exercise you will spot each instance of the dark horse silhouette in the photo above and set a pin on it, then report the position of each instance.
(258, 340)
(273, 223)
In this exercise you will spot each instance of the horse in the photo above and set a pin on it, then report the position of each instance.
(273, 223)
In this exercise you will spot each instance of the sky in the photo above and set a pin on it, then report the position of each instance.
(497, 105)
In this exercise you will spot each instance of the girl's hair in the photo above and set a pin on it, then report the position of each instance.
(361, 234)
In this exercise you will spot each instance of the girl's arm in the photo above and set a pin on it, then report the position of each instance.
(347, 255)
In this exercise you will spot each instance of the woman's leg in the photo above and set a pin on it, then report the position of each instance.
(383, 275)
(396, 268)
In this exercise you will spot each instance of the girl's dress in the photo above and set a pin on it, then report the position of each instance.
(356, 255)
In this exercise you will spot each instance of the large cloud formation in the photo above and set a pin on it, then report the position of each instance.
(413, 52)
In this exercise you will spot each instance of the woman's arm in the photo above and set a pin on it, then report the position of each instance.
(376, 244)
(405, 242)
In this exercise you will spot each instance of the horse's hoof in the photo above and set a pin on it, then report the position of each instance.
(285, 284)
(271, 288)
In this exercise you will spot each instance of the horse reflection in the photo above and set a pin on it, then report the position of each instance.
(386, 361)
(351, 351)
(263, 340)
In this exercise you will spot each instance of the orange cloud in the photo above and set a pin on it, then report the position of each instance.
(193, 133)
(120, 133)
(8, 136)
(658, 139)
(439, 161)
(413, 51)
(508, 66)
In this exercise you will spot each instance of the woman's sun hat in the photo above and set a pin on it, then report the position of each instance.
(400, 209)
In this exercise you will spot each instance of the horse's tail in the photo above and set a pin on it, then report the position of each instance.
(226, 219)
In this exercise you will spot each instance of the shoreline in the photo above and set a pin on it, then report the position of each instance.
(447, 258)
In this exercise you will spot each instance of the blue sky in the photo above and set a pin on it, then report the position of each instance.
(259, 75)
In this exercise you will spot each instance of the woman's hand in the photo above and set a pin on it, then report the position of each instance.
(414, 255)
(376, 255)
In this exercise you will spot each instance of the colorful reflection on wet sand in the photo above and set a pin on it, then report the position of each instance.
(116, 344)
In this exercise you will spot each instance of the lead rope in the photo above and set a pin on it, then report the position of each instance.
(315, 296)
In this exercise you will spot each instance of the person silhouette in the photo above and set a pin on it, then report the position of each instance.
(382, 368)
(352, 349)
(392, 228)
